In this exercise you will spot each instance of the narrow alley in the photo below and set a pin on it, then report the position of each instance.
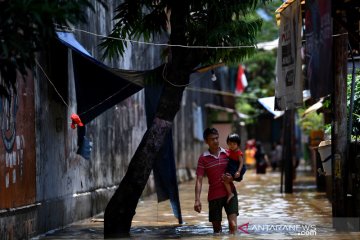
(264, 213)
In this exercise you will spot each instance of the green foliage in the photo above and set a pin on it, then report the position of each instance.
(261, 73)
(356, 109)
(269, 30)
(260, 67)
(26, 26)
(260, 70)
(249, 105)
(312, 121)
(356, 104)
(206, 23)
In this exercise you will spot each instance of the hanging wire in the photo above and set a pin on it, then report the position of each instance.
(106, 99)
(72, 29)
(150, 43)
(61, 97)
(47, 77)
(61, 27)
(218, 92)
(173, 84)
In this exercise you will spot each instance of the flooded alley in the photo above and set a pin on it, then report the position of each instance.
(265, 213)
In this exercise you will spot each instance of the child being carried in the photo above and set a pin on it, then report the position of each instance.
(235, 165)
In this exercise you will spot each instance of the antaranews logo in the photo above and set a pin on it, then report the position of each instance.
(293, 229)
(244, 228)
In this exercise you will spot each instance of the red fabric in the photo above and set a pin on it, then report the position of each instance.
(76, 121)
(241, 81)
(214, 167)
(234, 155)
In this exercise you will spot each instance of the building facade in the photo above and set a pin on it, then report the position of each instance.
(45, 184)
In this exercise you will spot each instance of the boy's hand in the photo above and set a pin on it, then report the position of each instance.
(237, 174)
(197, 206)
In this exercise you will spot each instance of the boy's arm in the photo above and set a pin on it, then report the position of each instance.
(198, 186)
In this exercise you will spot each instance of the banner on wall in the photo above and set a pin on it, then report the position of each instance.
(289, 83)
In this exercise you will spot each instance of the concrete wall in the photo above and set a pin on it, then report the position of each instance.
(69, 187)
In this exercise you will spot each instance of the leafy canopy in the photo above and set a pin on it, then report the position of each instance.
(269, 30)
(356, 103)
(260, 74)
(26, 26)
(260, 67)
(206, 23)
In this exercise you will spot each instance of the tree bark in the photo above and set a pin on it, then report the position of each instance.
(121, 207)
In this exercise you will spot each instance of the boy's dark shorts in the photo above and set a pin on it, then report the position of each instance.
(216, 206)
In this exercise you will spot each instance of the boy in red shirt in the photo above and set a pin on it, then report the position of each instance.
(213, 163)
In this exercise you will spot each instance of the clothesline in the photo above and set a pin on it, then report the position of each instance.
(263, 45)
(151, 43)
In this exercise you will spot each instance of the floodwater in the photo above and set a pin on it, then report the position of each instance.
(264, 213)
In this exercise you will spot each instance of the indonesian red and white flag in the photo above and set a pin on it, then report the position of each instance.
(241, 81)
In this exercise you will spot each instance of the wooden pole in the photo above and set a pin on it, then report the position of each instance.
(288, 144)
(339, 126)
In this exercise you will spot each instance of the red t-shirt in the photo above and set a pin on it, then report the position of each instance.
(234, 155)
(214, 167)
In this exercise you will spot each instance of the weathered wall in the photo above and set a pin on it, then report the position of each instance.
(69, 187)
(188, 146)
(17, 158)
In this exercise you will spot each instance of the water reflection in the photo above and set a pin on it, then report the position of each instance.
(264, 213)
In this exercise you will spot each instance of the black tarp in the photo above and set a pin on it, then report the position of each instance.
(164, 169)
(99, 87)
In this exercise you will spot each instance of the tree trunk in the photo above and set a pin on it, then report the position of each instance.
(121, 208)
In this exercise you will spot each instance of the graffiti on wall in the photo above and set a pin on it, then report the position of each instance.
(8, 110)
(17, 143)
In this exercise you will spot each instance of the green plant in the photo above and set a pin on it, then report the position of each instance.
(26, 28)
(269, 30)
(311, 121)
(260, 66)
(261, 75)
(221, 25)
(356, 104)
